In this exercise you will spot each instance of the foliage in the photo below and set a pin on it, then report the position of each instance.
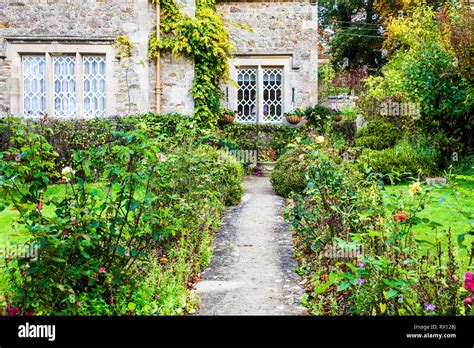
(346, 129)
(422, 71)
(403, 160)
(205, 39)
(447, 100)
(378, 134)
(357, 250)
(353, 32)
(260, 137)
(318, 115)
(124, 47)
(288, 177)
(229, 112)
(95, 247)
(457, 29)
(296, 112)
(230, 179)
(66, 135)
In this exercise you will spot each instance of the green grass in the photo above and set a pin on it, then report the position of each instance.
(12, 232)
(445, 207)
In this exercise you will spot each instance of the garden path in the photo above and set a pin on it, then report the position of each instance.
(251, 272)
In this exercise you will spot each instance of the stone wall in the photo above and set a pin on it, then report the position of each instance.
(89, 20)
(279, 28)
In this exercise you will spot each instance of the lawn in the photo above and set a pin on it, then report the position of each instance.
(446, 207)
(14, 233)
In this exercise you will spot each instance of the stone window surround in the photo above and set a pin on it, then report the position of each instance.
(15, 51)
(282, 61)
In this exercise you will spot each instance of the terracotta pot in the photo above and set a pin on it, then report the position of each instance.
(293, 119)
(228, 118)
(338, 118)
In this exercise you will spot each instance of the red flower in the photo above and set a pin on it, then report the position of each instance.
(468, 301)
(102, 270)
(401, 216)
(469, 282)
(64, 232)
(39, 207)
(13, 311)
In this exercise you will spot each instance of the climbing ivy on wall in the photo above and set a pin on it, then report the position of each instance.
(205, 39)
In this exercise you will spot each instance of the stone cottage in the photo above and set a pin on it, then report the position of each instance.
(57, 58)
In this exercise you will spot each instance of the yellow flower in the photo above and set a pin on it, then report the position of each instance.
(320, 139)
(416, 187)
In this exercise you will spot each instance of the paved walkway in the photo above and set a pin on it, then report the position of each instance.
(251, 272)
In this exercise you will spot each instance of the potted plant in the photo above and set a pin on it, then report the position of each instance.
(295, 116)
(338, 117)
(228, 116)
(267, 160)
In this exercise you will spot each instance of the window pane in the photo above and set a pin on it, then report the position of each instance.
(272, 95)
(247, 95)
(65, 86)
(34, 85)
(94, 86)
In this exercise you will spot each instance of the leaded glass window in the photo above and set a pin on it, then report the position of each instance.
(272, 95)
(65, 96)
(260, 94)
(34, 85)
(247, 95)
(94, 86)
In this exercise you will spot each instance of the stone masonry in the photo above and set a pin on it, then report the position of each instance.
(278, 28)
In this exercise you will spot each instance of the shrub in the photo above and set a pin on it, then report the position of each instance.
(288, 177)
(318, 116)
(345, 129)
(67, 135)
(379, 134)
(357, 251)
(96, 240)
(230, 179)
(88, 246)
(402, 159)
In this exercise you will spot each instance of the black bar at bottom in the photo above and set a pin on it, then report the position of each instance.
(243, 331)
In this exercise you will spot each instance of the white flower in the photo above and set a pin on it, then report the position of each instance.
(68, 170)
(320, 139)
(161, 157)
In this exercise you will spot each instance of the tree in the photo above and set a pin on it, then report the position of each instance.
(357, 32)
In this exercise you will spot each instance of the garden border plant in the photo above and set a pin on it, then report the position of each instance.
(127, 202)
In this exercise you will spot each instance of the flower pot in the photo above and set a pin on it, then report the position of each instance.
(293, 119)
(267, 167)
(227, 118)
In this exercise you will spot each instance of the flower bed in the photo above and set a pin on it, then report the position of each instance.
(129, 232)
(357, 249)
